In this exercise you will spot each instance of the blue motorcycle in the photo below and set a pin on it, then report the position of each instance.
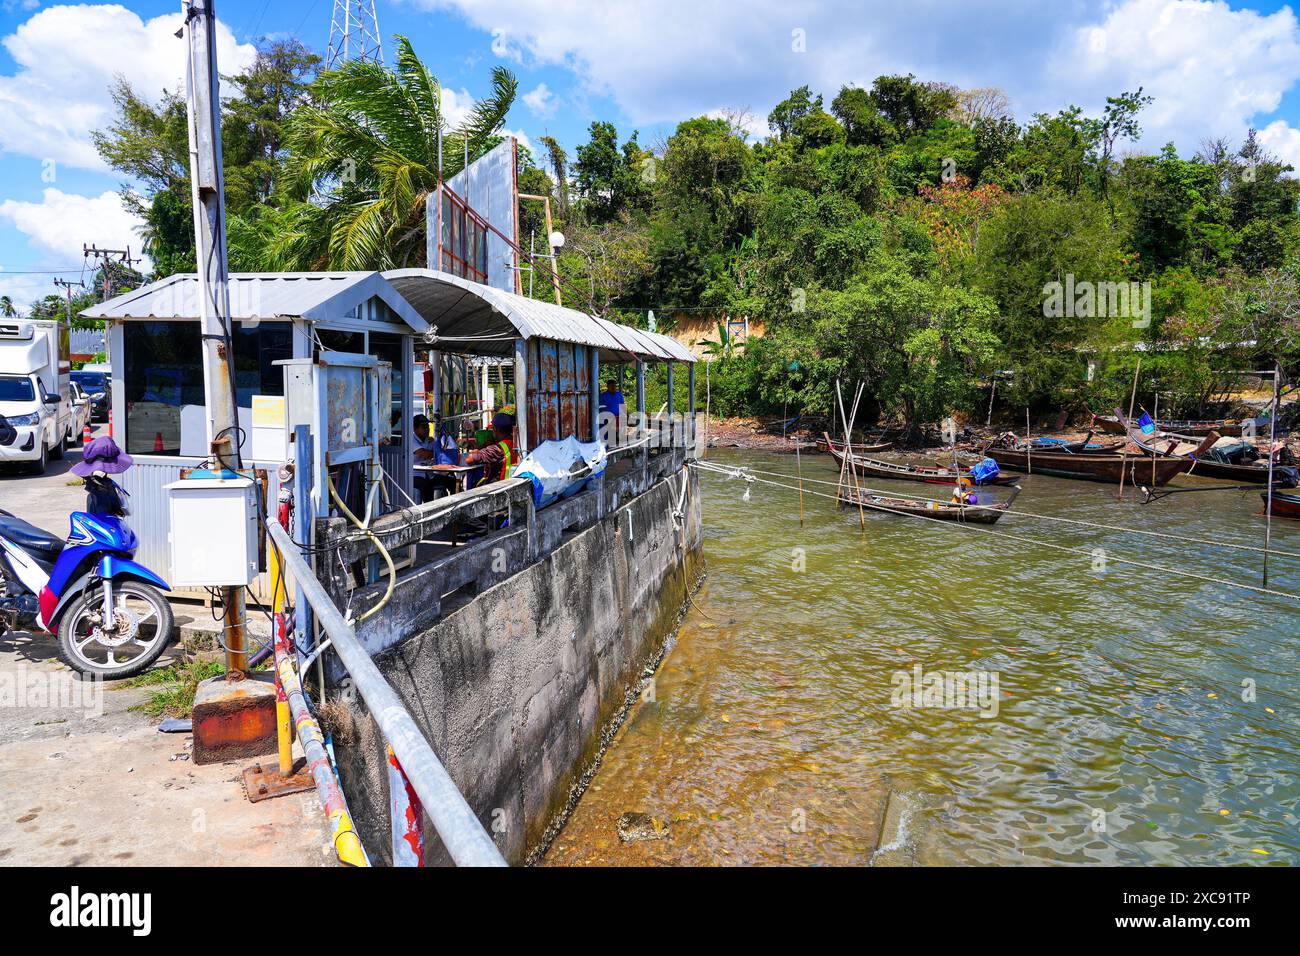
(108, 611)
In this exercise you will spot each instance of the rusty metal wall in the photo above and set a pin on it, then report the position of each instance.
(561, 377)
(582, 392)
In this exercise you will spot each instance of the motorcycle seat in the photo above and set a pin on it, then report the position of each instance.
(29, 537)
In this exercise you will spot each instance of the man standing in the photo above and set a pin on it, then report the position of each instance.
(613, 405)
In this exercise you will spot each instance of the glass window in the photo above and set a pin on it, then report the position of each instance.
(164, 374)
(387, 347)
(15, 388)
(91, 381)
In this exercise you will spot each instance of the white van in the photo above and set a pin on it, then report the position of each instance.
(34, 368)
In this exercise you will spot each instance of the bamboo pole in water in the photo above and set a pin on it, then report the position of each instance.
(853, 464)
(1132, 400)
(1029, 448)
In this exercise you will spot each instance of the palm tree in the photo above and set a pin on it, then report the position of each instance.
(363, 161)
(7, 307)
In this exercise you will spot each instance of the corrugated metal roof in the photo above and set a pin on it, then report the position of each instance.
(472, 317)
(317, 296)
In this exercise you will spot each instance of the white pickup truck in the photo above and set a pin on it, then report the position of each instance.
(34, 395)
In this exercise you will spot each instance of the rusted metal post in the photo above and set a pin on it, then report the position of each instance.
(208, 194)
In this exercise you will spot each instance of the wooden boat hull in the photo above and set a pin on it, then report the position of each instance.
(1167, 446)
(859, 448)
(874, 468)
(1284, 505)
(1242, 474)
(1113, 426)
(1105, 468)
(935, 511)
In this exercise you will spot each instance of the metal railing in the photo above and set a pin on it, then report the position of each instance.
(460, 830)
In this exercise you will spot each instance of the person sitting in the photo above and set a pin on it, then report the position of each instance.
(427, 452)
(498, 457)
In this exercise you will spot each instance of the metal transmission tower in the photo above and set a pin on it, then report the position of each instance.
(354, 33)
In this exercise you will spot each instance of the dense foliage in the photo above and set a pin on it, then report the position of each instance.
(911, 235)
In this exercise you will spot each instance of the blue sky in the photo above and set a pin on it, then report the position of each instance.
(1216, 68)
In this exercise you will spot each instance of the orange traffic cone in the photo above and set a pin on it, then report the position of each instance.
(157, 442)
(85, 436)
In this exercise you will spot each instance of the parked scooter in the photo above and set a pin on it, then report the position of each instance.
(110, 616)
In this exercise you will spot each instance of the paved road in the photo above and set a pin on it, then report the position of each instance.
(87, 780)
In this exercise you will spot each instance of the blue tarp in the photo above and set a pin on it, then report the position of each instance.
(560, 468)
(984, 471)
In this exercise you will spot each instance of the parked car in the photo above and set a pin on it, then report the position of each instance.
(97, 385)
(7, 432)
(34, 371)
(81, 410)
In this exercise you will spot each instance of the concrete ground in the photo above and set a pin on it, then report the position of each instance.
(89, 781)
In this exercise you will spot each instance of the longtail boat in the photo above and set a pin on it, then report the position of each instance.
(1052, 446)
(824, 444)
(1285, 504)
(1226, 427)
(1163, 444)
(875, 468)
(1135, 471)
(981, 513)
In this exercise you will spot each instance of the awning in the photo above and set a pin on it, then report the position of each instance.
(470, 317)
(315, 296)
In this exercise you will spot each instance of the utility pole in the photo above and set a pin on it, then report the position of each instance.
(107, 256)
(208, 193)
(67, 285)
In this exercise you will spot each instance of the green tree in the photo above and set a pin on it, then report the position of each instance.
(363, 160)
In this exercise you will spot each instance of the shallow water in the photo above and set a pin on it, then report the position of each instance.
(1124, 723)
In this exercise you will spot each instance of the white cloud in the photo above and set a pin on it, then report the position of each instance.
(67, 58)
(524, 141)
(1213, 70)
(25, 288)
(456, 106)
(542, 101)
(61, 222)
(1283, 141)
(1210, 68)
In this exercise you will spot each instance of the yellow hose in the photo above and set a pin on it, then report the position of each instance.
(392, 570)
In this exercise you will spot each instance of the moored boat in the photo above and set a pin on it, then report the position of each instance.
(1285, 504)
(1164, 444)
(1228, 428)
(981, 513)
(876, 468)
(824, 444)
(1107, 467)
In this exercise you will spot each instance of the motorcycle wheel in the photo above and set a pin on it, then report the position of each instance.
(143, 628)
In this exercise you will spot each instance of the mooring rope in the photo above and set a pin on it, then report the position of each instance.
(734, 473)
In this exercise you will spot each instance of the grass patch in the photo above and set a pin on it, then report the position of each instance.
(174, 687)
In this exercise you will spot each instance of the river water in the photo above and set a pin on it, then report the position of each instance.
(1138, 717)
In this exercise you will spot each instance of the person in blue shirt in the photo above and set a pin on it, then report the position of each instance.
(613, 404)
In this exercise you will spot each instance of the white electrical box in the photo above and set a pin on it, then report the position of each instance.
(214, 539)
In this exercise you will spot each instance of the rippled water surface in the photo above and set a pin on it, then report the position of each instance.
(1125, 732)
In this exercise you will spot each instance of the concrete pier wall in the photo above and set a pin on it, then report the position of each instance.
(519, 689)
